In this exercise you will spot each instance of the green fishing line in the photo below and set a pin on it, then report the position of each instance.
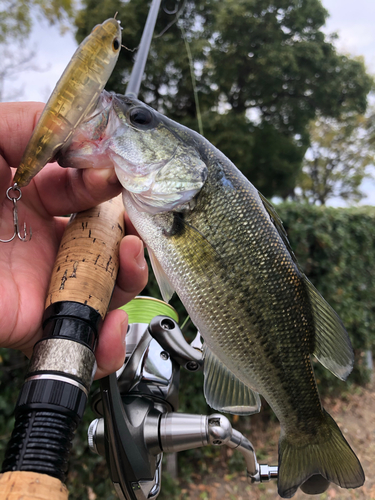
(144, 309)
(185, 322)
(193, 80)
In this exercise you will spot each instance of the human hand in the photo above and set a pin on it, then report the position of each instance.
(25, 268)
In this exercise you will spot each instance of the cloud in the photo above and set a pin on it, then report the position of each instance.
(354, 23)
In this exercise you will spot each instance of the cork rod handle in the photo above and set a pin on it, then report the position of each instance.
(85, 272)
(86, 266)
(25, 485)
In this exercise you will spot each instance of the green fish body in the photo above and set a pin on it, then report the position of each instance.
(220, 245)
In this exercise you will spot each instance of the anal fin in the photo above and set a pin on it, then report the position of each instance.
(224, 391)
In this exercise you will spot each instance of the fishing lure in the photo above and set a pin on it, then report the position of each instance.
(75, 94)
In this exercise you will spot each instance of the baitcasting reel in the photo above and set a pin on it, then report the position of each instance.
(137, 406)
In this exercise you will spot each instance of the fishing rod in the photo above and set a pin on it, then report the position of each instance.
(54, 395)
(137, 406)
(138, 69)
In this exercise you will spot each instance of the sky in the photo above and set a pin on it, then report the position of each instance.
(353, 20)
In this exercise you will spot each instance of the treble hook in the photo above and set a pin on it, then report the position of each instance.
(14, 199)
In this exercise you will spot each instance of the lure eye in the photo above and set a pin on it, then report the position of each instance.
(116, 44)
(140, 116)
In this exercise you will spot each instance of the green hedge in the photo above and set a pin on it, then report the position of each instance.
(335, 248)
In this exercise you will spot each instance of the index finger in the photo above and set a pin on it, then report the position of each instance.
(17, 122)
(62, 190)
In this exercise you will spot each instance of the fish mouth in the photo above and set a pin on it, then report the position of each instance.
(141, 173)
(141, 170)
(135, 177)
(87, 147)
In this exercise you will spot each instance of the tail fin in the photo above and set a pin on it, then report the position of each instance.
(330, 457)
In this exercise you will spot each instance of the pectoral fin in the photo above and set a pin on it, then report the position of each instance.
(224, 391)
(166, 287)
(332, 344)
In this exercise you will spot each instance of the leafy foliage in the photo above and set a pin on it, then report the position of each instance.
(16, 15)
(335, 164)
(263, 71)
(335, 248)
(12, 370)
(16, 20)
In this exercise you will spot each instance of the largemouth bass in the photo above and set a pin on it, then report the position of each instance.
(76, 92)
(220, 245)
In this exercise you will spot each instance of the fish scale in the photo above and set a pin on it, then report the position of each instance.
(220, 245)
(240, 360)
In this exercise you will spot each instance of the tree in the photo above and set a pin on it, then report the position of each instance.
(13, 64)
(335, 164)
(16, 15)
(267, 59)
(15, 24)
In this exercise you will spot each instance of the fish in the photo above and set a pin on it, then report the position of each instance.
(217, 242)
(75, 94)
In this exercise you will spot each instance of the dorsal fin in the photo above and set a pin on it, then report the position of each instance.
(277, 222)
(332, 344)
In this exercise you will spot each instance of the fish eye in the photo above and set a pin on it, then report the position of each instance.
(116, 44)
(140, 116)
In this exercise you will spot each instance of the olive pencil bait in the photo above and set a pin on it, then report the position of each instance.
(74, 96)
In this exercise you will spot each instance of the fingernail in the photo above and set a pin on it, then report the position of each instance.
(140, 257)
